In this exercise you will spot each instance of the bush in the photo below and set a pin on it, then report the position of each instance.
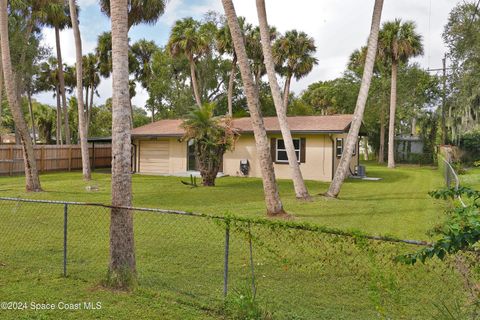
(470, 143)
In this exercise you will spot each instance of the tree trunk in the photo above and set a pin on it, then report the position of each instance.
(301, 191)
(61, 81)
(231, 83)
(286, 93)
(122, 268)
(414, 126)
(82, 128)
(365, 141)
(32, 117)
(58, 133)
(193, 77)
(31, 173)
(153, 114)
(391, 124)
(86, 99)
(344, 165)
(381, 149)
(272, 197)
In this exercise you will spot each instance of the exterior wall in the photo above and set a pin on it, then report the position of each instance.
(319, 154)
(177, 155)
(318, 164)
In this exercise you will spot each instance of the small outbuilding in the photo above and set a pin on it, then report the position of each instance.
(318, 141)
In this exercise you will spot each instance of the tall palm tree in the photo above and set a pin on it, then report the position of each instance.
(293, 54)
(270, 188)
(301, 191)
(122, 268)
(48, 81)
(398, 42)
(91, 80)
(139, 11)
(57, 16)
(225, 45)
(350, 144)
(188, 39)
(255, 53)
(82, 128)
(31, 173)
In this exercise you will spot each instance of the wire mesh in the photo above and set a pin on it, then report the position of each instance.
(293, 272)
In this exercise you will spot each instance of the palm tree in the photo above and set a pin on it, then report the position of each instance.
(31, 173)
(122, 268)
(225, 45)
(398, 42)
(212, 137)
(272, 197)
(255, 53)
(294, 58)
(350, 144)
(139, 11)
(301, 191)
(103, 51)
(91, 80)
(188, 39)
(48, 81)
(82, 128)
(57, 16)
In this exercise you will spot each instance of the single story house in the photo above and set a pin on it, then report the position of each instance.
(318, 141)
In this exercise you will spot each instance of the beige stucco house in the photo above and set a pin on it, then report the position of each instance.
(318, 140)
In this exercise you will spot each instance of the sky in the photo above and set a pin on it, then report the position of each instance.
(338, 27)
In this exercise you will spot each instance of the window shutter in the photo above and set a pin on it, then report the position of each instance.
(303, 150)
(273, 149)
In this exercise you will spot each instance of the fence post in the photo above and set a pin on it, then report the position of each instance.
(225, 270)
(254, 289)
(65, 224)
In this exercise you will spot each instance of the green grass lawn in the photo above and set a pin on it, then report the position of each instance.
(299, 274)
(397, 205)
(471, 178)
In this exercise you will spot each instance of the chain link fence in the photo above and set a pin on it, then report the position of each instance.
(450, 176)
(294, 270)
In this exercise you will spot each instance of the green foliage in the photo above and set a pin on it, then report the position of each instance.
(463, 84)
(476, 163)
(461, 230)
(212, 137)
(470, 143)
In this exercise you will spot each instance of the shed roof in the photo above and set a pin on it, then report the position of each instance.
(300, 124)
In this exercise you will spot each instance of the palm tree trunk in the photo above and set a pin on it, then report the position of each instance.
(365, 141)
(61, 80)
(381, 149)
(58, 135)
(391, 124)
(31, 173)
(1, 96)
(86, 99)
(82, 128)
(32, 117)
(231, 83)
(344, 165)
(301, 191)
(286, 93)
(272, 197)
(122, 268)
(193, 76)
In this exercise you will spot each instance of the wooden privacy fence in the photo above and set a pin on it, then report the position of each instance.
(53, 158)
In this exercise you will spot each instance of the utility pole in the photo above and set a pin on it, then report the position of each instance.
(444, 96)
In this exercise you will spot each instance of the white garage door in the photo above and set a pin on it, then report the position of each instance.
(154, 157)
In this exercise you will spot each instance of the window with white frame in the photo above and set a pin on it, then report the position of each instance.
(282, 152)
(339, 147)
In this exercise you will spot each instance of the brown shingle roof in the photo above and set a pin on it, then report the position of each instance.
(301, 124)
